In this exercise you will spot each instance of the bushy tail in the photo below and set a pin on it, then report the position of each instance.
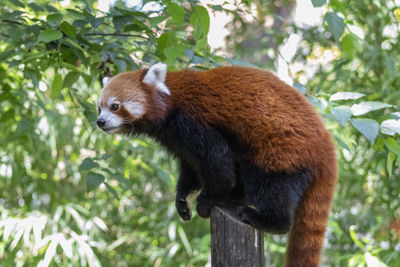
(307, 234)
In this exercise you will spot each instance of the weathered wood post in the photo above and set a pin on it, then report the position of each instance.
(233, 243)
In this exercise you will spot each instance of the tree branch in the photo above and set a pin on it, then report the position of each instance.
(89, 34)
(114, 34)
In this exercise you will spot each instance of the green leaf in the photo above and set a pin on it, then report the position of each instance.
(14, 15)
(93, 180)
(318, 3)
(68, 29)
(216, 7)
(88, 164)
(111, 190)
(56, 86)
(106, 156)
(393, 146)
(6, 54)
(157, 20)
(75, 44)
(390, 127)
(379, 144)
(365, 107)
(70, 79)
(121, 64)
(353, 236)
(339, 5)
(173, 52)
(201, 22)
(69, 66)
(347, 43)
(96, 22)
(17, 3)
(36, 7)
(335, 25)
(49, 35)
(341, 114)
(201, 43)
(345, 96)
(342, 141)
(121, 21)
(367, 127)
(185, 240)
(51, 8)
(54, 19)
(166, 40)
(389, 162)
(390, 64)
(177, 13)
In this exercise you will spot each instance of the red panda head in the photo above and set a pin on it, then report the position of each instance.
(132, 96)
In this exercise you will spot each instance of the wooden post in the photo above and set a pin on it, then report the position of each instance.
(233, 243)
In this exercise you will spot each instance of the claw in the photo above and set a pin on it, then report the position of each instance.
(183, 209)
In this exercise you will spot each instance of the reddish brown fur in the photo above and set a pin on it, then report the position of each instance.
(280, 126)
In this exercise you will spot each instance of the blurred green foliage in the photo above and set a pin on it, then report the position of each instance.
(73, 196)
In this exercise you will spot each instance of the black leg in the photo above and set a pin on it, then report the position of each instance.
(204, 148)
(217, 171)
(275, 197)
(188, 182)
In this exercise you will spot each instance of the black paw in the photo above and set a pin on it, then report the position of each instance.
(183, 209)
(204, 208)
(245, 214)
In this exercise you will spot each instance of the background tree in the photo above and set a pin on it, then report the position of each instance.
(73, 196)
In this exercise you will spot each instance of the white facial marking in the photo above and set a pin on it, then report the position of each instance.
(155, 76)
(134, 108)
(112, 121)
(111, 101)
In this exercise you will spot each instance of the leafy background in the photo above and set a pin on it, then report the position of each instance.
(73, 196)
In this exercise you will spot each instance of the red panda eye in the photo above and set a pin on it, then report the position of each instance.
(114, 107)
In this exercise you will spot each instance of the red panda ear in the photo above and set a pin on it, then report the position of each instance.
(105, 80)
(155, 76)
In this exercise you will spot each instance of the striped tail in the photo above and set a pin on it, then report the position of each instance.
(308, 229)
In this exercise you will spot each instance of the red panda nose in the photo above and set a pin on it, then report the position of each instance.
(101, 123)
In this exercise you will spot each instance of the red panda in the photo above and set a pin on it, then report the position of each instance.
(243, 137)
